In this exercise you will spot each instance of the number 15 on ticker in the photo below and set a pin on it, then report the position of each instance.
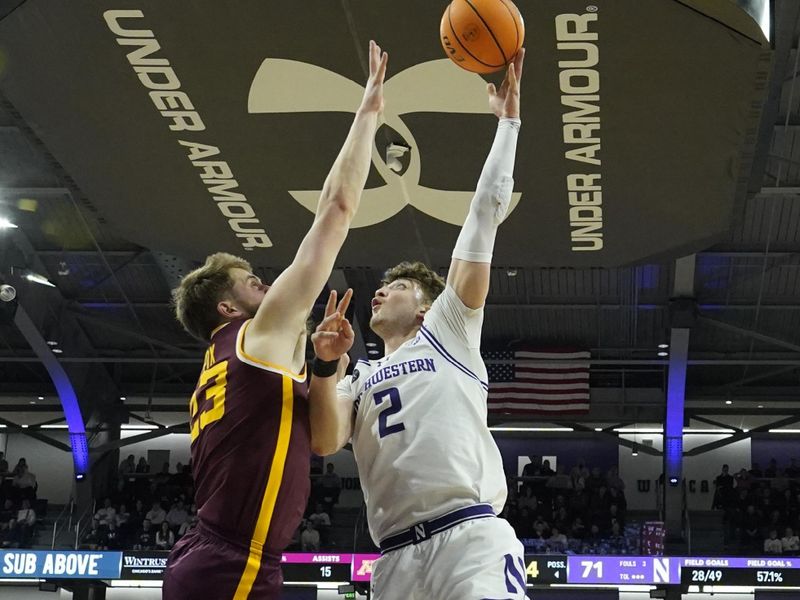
(589, 566)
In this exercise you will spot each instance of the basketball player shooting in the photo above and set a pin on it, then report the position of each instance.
(252, 429)
(430, 470)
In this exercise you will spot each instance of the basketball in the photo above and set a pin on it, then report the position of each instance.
(481, 36)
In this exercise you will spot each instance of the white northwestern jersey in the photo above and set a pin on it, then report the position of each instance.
(420, 438)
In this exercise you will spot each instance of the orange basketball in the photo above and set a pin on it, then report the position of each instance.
(481, 36)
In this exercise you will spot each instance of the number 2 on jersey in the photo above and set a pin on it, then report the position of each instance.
(384, 428)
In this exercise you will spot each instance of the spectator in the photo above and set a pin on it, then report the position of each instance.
(114, 539)
(578, 529)
(177, 515)
(126, 467)
(107, 514)
(7, 513)
(528, 500)
(165, 539)
(724, 489)
(18, 468)
(772, 469)
(319, 517)
(614, 481)
(773, 545)
(617, 541)
(580, 470)
(793, 470)
(309, 539)
(142, 466)
(24, 483)
(144, 537)
(557, 541)
(755, 471)
(122, 517)
(3, 465)
(751, 530)
(546, 471)
(559, 481)
(743, 480)
(790, 543)
(95, 539)
(156, 514)
(11, 535)
(533, 467)
(137, 516)
(188, 525)
(331, 487)
(595, 480)
(26, 521)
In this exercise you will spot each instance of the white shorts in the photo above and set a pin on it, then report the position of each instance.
(480, 559)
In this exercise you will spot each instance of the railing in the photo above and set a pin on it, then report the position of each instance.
(78, 529)
(687, 522)
(58, 525)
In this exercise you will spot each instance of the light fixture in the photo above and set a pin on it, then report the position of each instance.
(6, 224)
(32, 402)
(662, 353)
(760, 406)
(372, 352)
(535, 429)
(728, 401)
(511, 272)
(370, 344)
(673, 481)
(598, 429)
(79, 476)
(40, 397)
(57, 351)
(663, 346)
(635, 450)
(37, 278)
(52, 343)
(123, 398)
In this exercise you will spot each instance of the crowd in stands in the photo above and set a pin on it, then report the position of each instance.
(761, 508)
(581, 510)
(152, 511)
(18, 500)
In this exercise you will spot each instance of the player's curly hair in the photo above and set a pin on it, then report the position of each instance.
(430, 282)
(200, 291)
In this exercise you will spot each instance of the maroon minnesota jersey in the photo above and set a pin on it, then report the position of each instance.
(251, 446)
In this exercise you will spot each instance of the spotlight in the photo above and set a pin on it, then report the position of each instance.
(728, 402)
(662, 353)
(6, 224)
(7, 292)
(57, 351)
(40, 279)
(663, 346)
(635, 450)
(673, 481)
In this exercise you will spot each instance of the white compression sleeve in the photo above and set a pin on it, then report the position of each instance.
(489, 205)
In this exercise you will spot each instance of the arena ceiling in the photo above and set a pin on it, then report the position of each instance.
(698, 155)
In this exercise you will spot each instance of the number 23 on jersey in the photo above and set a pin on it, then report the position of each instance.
(211, 388)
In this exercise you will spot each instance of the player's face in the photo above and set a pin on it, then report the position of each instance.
(247, 292)
(396, 306)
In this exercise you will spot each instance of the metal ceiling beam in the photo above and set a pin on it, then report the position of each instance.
(715, 423)
(736, 437)
(125, 331)
(155, 433)
(11, 426)
(619, 440)
(749, 333)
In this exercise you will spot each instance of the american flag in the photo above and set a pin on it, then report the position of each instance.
(538, 381)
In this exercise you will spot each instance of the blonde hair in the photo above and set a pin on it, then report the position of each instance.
(200, 291)
(431, 283)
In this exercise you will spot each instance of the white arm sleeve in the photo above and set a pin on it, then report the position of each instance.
(489, 205)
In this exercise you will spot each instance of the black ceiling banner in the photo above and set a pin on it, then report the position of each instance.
(202, 126)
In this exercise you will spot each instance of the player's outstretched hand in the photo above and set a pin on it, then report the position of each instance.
(505, 101)
(334, 336)
(373, 92)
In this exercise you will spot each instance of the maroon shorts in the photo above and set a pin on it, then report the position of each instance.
(201, 565)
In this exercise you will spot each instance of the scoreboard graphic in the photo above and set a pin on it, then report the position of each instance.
(541, 569)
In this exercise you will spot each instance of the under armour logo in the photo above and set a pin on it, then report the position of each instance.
(433, 86)
(420, 534)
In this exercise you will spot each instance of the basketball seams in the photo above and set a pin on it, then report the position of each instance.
(455, 35)
(514, 19)
(489, 29)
